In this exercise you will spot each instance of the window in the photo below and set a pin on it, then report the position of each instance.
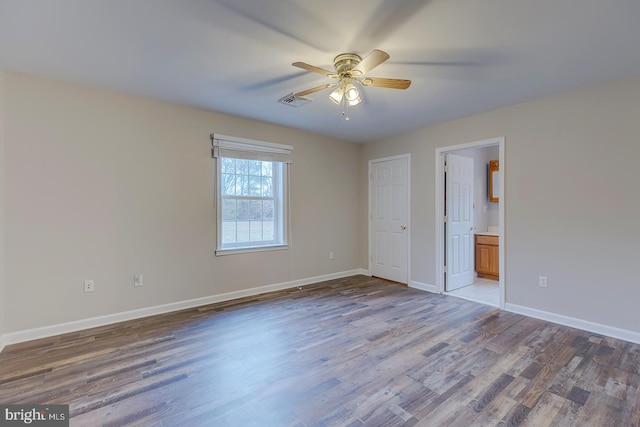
(251, 209)
(251, 189)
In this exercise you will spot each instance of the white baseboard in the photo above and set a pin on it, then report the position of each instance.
(586, 325)
(424, 286)
(63, 328)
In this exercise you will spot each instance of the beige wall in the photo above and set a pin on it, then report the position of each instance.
(2, 191)
(571, 199)
(102, 185)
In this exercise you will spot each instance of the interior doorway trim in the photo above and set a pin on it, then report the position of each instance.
(439, 203)
(372, 162)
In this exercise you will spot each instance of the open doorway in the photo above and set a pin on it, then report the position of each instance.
(482, 233)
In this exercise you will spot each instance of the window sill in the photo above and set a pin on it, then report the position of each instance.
(243, 250)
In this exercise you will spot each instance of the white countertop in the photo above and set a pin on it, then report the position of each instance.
(492, 230)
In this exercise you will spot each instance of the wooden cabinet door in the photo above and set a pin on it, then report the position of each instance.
(487, 257)
(483, 258)
(494, 260)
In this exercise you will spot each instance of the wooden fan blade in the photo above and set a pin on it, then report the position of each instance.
(314, 69)
(371, 61)
(314, 89)
(389, 83)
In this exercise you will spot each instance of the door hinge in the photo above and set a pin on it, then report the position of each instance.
(444, 269)
(446, 168)
(446, 218)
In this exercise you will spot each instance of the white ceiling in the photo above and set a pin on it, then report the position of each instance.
(234, 56)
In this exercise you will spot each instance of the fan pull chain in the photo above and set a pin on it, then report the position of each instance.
(345, 106)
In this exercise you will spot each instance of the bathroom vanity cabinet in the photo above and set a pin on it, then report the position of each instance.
(487, 257)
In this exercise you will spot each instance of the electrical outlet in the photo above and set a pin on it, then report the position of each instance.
(137, 280)
(330, 254)
(89, 286)
(542, 281)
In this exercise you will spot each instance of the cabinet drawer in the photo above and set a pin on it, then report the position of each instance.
(487, 240)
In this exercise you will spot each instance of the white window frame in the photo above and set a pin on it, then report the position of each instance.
(224, 146)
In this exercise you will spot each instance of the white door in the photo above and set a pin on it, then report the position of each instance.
(389, 219)
(459, 224)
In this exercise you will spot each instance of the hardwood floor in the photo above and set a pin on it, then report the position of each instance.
(358, 351)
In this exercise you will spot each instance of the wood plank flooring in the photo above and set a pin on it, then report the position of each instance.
(358, 351)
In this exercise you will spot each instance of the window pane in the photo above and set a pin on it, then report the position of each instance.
(267, 187)
(244, 213)
(268, 230)
(229, 232)
(268, 207)
(228, 185)
(229, 209)
(267, 169)
(256, 209)
(242, 167)
(255, 167)
(242, 232)
(242, 185)
(228, 165)
(228, 221)
(254, 186)
(256, 231)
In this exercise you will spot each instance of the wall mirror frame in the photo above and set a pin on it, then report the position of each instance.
(494, 181)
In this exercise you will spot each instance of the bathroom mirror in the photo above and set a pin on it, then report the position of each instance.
(494, 181)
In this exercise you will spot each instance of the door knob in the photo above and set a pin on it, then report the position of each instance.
(403, 227)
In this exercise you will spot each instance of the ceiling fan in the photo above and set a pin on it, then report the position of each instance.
(350, 71)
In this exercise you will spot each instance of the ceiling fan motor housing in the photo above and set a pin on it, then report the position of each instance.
(344, 64)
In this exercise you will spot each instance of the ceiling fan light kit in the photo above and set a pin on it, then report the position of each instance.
(352, 94)
(346, 90)
(350, 69)
(337, 95)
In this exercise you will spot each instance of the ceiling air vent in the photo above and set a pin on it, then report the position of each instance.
(294, 101)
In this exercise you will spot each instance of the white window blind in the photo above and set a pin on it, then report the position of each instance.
(240, 148)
